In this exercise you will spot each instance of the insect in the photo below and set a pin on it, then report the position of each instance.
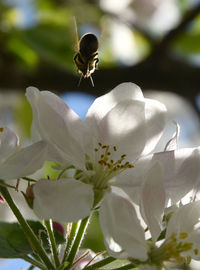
(86, 58)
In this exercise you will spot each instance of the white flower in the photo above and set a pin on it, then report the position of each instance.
(123, 232)
(124, 235)
(184, 227)
(107, 150)
(16, 162)
(119, 127)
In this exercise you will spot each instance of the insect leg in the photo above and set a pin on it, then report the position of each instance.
(91, 80)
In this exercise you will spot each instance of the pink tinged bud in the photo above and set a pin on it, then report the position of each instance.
(29, 196)
(2, 199)
(29, 192)
(58, 227)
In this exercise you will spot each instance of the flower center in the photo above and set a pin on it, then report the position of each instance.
(172, 248)
(102, 167)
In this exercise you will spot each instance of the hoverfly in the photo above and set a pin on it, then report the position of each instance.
(86, 58)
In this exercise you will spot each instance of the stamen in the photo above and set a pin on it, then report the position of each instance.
(196, 251)
(183, 235)
(103, 167)
(1, 129)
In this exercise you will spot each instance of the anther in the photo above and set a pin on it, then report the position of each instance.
(183, 235)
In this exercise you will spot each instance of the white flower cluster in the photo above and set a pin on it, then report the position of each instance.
(113, 169)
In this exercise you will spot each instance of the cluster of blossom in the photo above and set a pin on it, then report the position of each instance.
(107, 163)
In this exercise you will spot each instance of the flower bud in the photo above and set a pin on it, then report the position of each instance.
(58, 227)
(29, 195)
(2, 199)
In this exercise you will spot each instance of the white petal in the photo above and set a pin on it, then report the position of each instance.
(134, 126)
(153, 201)
(194, 238)
(181, 172)
(132, 179)
(155, 119)
(55, 122)
(124, 126)
(184, 219)
(64, 200)
(120, 225)
(103, 104)
(172, 144)
(9, 143)
(24, 162)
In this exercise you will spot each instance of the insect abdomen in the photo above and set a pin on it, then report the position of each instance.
(88, 45)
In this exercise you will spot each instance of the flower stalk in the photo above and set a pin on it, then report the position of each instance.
(72, 235)
(48, 225)
(78, 240)
(100, 263)
(34, 262)
(31, 237)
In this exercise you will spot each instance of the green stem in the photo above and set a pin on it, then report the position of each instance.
(125, 267)
(31, 267)
(100, 263)
(29, 179)
(31, 237)
(73, 233)
(34, 262)
(77, 241)
(52, 241)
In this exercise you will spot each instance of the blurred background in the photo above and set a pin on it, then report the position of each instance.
(153, 43)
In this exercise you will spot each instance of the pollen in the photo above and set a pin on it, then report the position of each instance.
(196, 251)
(1, 129)
(183, 235)
(105, 158)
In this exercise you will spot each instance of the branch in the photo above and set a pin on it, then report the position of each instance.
(174, 33)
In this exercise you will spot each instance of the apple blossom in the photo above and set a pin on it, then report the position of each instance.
(119, 127)
(125, 237)
(110, 148)
(16, 162)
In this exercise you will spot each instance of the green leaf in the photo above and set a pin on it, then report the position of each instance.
(188, 43)
(23, 116)
(94, 237)
(52, 42)
(14, 244)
